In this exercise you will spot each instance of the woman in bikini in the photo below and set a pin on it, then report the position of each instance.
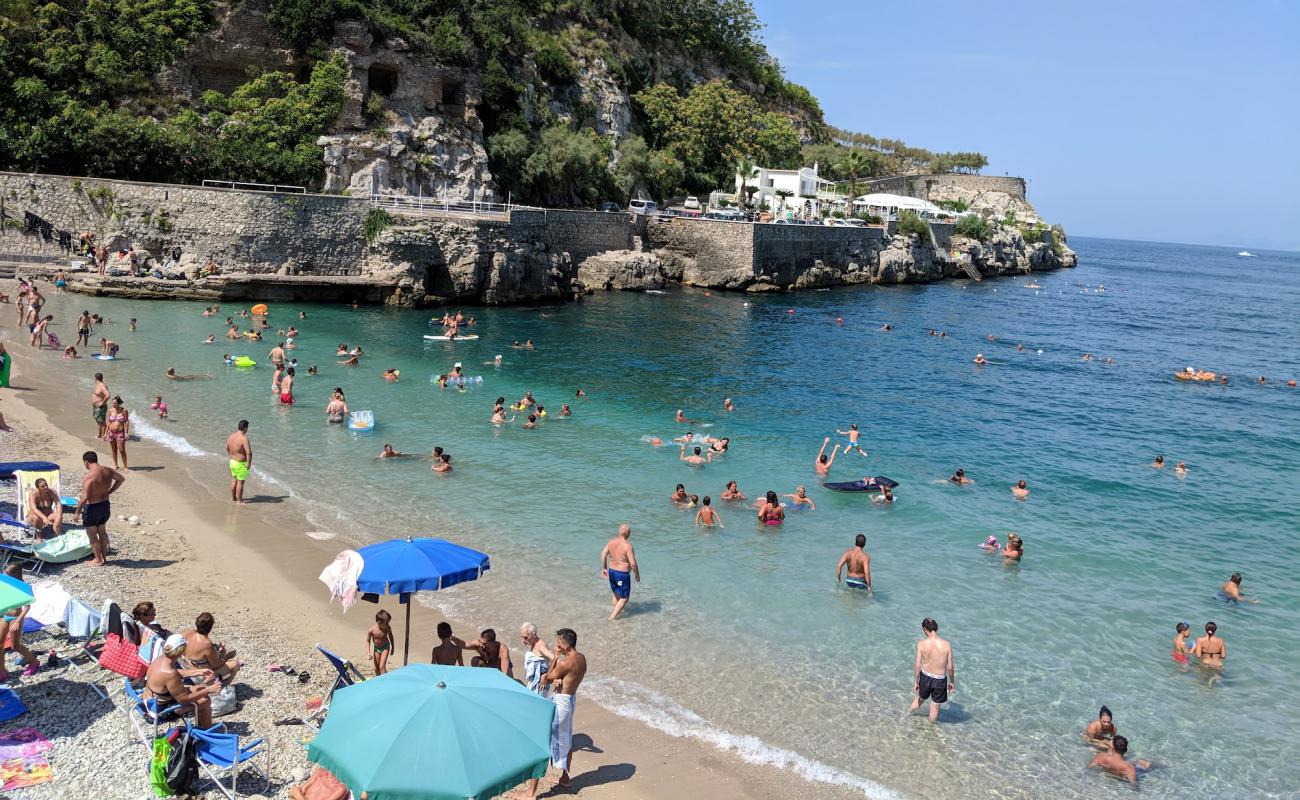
(45, 509)
(1210, 649)
(117, 428)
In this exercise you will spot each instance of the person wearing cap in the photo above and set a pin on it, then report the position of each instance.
(991, 545)
(162, 683)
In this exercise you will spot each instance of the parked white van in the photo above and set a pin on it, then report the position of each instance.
(643, 207)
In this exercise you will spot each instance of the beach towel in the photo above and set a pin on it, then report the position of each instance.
(51, 604)
(341, 577)
(534, 668)
(10, 705)
(25, 771)
(562, 731)
(81, 619)
(73, 545)
(22, 742)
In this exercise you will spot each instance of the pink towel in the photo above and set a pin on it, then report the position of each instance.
(341, 577)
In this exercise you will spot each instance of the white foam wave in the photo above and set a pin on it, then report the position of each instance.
(267, 477)
(177, 444)
(663, 714)
(321, 536)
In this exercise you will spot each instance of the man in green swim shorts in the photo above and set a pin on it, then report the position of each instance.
(240, 451)
(99, 404)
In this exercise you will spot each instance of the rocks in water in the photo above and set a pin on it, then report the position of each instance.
(623, 270)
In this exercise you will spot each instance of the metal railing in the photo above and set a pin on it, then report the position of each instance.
(254, 187)
(432, 206)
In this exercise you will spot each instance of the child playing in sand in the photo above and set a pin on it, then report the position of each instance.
(159, 406)
(379, 641)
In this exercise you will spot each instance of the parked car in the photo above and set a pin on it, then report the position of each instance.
(725, 214)
(691, 202)
(643, 207)
(854, 222)
(609, 206)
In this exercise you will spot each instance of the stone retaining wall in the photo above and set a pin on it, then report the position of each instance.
(922, 186)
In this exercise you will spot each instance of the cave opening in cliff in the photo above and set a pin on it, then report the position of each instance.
(453, 93)
(382, 80)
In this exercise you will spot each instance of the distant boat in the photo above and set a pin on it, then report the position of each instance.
(1246, 254)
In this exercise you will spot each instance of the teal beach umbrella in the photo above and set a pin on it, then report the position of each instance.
(429, 732)
(13, 594)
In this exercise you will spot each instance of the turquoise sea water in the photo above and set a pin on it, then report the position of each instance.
(740, 637)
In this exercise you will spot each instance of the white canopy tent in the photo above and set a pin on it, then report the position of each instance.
(888, 205)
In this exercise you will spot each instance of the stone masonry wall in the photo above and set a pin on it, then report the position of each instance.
(251, 231)
(705, 252)
(783, 253)
(585, 233)
(922, 186)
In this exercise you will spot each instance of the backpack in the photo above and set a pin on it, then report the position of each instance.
(182, 765)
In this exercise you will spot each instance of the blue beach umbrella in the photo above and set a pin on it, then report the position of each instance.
(429, 732)
(403, 566)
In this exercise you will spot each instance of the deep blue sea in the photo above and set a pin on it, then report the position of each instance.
(740, 637)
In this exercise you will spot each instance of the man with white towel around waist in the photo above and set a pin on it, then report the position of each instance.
(564, 677)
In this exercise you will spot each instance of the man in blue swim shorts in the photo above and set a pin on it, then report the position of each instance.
(859, 564)
(618, 564)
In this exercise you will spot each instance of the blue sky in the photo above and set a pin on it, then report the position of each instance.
(1165, 121)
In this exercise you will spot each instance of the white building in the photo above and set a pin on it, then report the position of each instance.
(807, 190)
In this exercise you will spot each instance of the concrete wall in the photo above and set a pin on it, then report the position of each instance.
(585, 233)
(257, 232)
(921, 186)
(784, 253)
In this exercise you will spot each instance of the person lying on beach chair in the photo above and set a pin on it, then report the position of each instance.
(202, 653)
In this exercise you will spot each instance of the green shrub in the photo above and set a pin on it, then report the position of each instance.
(953, 205)
(870, 219)
(553, 63)
(449, 39)
(974, 226)
(909, 223)
(375, 107)
(376, 222)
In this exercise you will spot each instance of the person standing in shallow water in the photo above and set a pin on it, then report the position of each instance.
(933, 675)
(618, 565)
(240, 452)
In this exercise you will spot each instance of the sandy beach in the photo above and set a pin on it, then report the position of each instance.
(195, 552)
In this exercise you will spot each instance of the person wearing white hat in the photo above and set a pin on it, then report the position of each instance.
(979, 359)
(164, 685)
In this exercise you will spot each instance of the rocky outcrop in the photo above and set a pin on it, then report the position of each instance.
(625, 271)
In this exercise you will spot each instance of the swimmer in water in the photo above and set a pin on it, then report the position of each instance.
(565, 411)
(991, 338)
(528, 344)
(1020, 348)
(1020, 491)
(732, 493)
(172, 376)
(1181, 651)
(823, 463)
(531, 423)
(859, 564)
(499, 416)
(1015, 548)
(680, 416)
(389, 452)
(337, 408)
(1181, 469)
(719, 446)
(801, 498)
(728, 405)
(886, 495)
(1113, 761)
(580, 393)
(1087, 356)
(991, 545)
(959, 478)
(853, 433)
(1210, 649)
(695, 459)
(1232, 590)
(770, 511)
(706, 517)
(342, 351)
(443, 464)
(886, 327)
(979, 360)
(1159, 463)
(210, 340)
(1101, 730)
(679, 495)
(653, 441)
(350, 362)
(390, 375)
(160, 406)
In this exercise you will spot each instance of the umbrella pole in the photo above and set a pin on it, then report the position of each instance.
(406, 656)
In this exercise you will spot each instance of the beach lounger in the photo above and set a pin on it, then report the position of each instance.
(345, 675)
(27, 479)
(83, 624)
(221, 755)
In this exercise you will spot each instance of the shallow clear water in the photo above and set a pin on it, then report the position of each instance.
(740, 636)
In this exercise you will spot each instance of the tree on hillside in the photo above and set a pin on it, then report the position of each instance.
(856, 164)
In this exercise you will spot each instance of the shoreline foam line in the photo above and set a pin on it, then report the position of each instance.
(633, 701)
(177, 444)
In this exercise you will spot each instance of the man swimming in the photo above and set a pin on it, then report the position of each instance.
(680, 416)
(853, 433)
(1113, 761)
(389, 452)
(934, 677)
(823, 463)
(679, 494)
(886, 495)
(618, 565)
(1020, 491)
(1232, 590)
(706, 517)
(695, 459)
(959, 478)
(859, 564)
(1159, 463)
(801, 498)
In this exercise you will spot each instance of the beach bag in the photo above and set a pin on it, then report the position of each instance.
(162, 753)
(224, 702)
(122, 657)
(182, 764)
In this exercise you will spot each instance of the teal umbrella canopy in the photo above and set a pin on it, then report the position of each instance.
(14, 594)
(429, 732)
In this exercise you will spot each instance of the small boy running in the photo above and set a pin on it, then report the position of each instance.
(379, 641)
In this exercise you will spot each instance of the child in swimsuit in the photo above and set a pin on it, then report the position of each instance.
(379, 641)
(1181, 650)
(159, 406)
(707, 517)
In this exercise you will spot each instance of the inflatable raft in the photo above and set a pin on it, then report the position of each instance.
(361, 421)
(865, 485)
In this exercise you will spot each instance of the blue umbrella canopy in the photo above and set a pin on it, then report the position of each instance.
(428, 732)
(418, 565)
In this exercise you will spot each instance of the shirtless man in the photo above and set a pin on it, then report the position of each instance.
(1159, 463)
(859, 564)
(679, 494)
(959, 478)
(1210, 649)
(886, 495)
(286, 388)
(1232, 590)
(277, 355)
(94, 509)
(448, 650)
(163, 683)
(108, 347)
(801, 498)
(240, 452)
(1112, 761)
(44, 509)
(202, 653)
(84, 325)
(680, 416)
(389, 452)
(933, 675)
(617, 560)
(823, 464)
(564, 677)
(99, 404)
(1020, 491)
(695, 459)
(491, 653)
(853, 433)
(706, 517)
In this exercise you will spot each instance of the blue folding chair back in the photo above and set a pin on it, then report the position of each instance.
(221, 755)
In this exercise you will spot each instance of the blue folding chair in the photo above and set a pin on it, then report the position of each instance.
(144, 714)
(345, 675)
(221, 755)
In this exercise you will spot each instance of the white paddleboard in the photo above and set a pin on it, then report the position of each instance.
(469, 337)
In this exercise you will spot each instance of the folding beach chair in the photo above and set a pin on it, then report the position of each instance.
(83, 624)
(345, 675)
(27, 479)
(221, 755)
(144, 715)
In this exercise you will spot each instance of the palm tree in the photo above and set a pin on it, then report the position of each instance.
(784, 194)
(745, 169)
(856, 164)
